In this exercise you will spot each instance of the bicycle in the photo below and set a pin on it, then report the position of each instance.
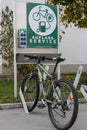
(59, 95)
(43, 13)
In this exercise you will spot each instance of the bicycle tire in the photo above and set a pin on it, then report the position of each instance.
(30, 90)
(59, 123)
(50, 18)
(36, 16)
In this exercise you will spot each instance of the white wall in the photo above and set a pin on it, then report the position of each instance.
(83, 45)
(4, 3)
(74, 46)
(0, 60)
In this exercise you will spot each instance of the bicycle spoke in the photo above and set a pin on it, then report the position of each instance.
(63, 113)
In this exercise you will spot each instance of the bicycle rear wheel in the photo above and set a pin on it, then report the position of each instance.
(30, 90)
(64, 107)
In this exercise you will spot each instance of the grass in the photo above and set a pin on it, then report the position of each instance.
(7, 87)
(7, 91)
(83, 80)
(71, 77)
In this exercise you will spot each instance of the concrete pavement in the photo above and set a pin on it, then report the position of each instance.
(16, 119)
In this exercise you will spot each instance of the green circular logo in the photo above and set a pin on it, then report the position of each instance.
(42, 20)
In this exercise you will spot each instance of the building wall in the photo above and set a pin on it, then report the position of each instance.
(74, 46)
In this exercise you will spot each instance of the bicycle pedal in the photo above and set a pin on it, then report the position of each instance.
(41, 106)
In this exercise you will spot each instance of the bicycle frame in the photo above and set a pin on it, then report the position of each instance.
(43, 11)
(40, 67)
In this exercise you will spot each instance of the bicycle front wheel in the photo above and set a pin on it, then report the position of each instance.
(30, 90)
(64, 107)
(36, 16)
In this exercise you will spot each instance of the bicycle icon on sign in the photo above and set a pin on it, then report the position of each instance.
(43, 16)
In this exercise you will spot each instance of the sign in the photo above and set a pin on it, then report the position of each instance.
(42, 26)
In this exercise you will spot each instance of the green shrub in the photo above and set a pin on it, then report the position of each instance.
(23, 69)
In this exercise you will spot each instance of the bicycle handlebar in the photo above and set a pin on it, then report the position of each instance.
(43, 58)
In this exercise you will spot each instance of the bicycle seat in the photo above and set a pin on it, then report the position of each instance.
(58, 59)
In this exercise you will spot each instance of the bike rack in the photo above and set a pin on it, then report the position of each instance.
(23, 102)
(83, 89)
(78, 75)
(77, 78)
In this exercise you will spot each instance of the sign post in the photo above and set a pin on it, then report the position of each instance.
(41, 22)
(42, 34)
(15, 66)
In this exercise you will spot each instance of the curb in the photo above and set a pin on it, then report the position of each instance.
(19, 105)
(10, 106)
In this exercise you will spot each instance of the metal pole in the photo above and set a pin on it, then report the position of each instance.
(58, 42)
(15, 66)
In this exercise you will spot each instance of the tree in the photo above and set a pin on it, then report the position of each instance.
(72, 12)
(6, 42)
(6, 36)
